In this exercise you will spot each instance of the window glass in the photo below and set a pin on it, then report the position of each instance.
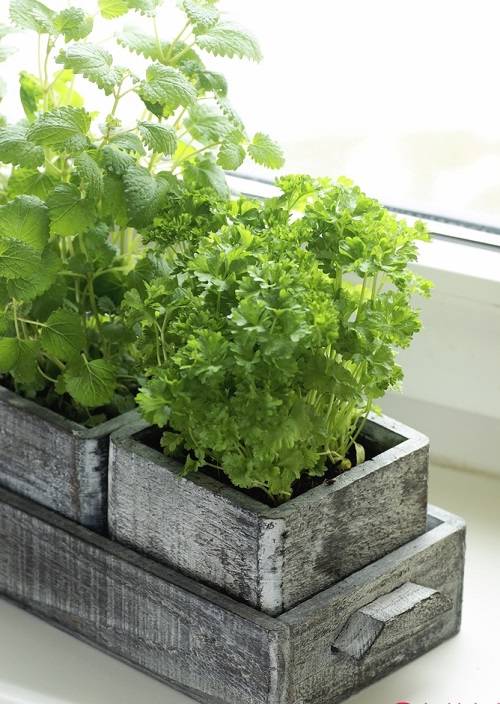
(401, 97)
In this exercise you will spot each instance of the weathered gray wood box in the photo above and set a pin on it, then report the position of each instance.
(54, 461)
(271, 558)
(220, 651)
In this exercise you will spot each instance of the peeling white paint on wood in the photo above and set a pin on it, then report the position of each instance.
(210, 646)
(216, 534)
(54, 461)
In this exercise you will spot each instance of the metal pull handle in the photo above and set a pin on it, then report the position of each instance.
(391, 618)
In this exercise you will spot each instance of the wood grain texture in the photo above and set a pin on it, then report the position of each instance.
(206, 644)
(54, 461)
(434, 560)
(273, 558)
(181, 632)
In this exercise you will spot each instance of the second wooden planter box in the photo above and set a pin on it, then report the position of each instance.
(270, 558)
(54, 461)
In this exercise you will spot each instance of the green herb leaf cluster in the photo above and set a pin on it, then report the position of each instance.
(267, 340)
(79, 184)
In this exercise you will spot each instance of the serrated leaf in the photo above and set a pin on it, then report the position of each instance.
(231, 155)
(229, 111)
(74, 23)
(97, 247)
(15, 149)
(113, 200)
(111, 9)
(91, 175)
(266, 152)
(32, 14)
(17, 259)
(69, 213)
(94, 62)
(207, 81)
(201, 18)
(26, 219)
(128, 141)
(25, 369)
(145, 7)
(229, 39)
(31, 182)
(90, 383)
(9, 353)
(162, 139)
(135, 39)
(143, 195)
(204, 173)
(166, 87)
(207, 124)
(62, 129)
(27, 289)
(114, 160)
(63, 334)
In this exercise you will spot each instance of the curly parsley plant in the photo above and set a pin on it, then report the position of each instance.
(267, 340)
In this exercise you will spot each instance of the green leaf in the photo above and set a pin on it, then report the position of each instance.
(206, 81)
(97, 247)
(133, 38)
(26, 219)
(166, 87)
(143, 195)
(145, 7)
(32, 182)
(229, 39)
(63, 334)
(207, 123)
(266, 152)
(74, 23)
(113, 200)
(31, 94)
(90, 383)
(27, 289)
(204, 173)
(91, 175)
(111, 9)
(129, 142)
(17, 259)
(231, 155)
(31, 14)
(162, 139)
(25, 369)
(114, 160)
(9, 353)
(95, 63)
(202, 18)
(69, 213)
(6, 51)
(62, 129)
(15, 149)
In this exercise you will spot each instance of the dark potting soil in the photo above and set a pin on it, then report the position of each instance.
(151, 437)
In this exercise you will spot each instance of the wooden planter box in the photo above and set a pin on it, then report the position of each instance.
(220, 651)
(270, 558)
(54, 461)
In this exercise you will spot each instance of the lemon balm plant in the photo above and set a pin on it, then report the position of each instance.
(81, 182)
(267, 340)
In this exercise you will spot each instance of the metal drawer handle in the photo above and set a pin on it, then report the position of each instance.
(395, 616)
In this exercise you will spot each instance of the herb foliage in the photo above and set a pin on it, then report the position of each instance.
(80, 184)
(267, 339)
